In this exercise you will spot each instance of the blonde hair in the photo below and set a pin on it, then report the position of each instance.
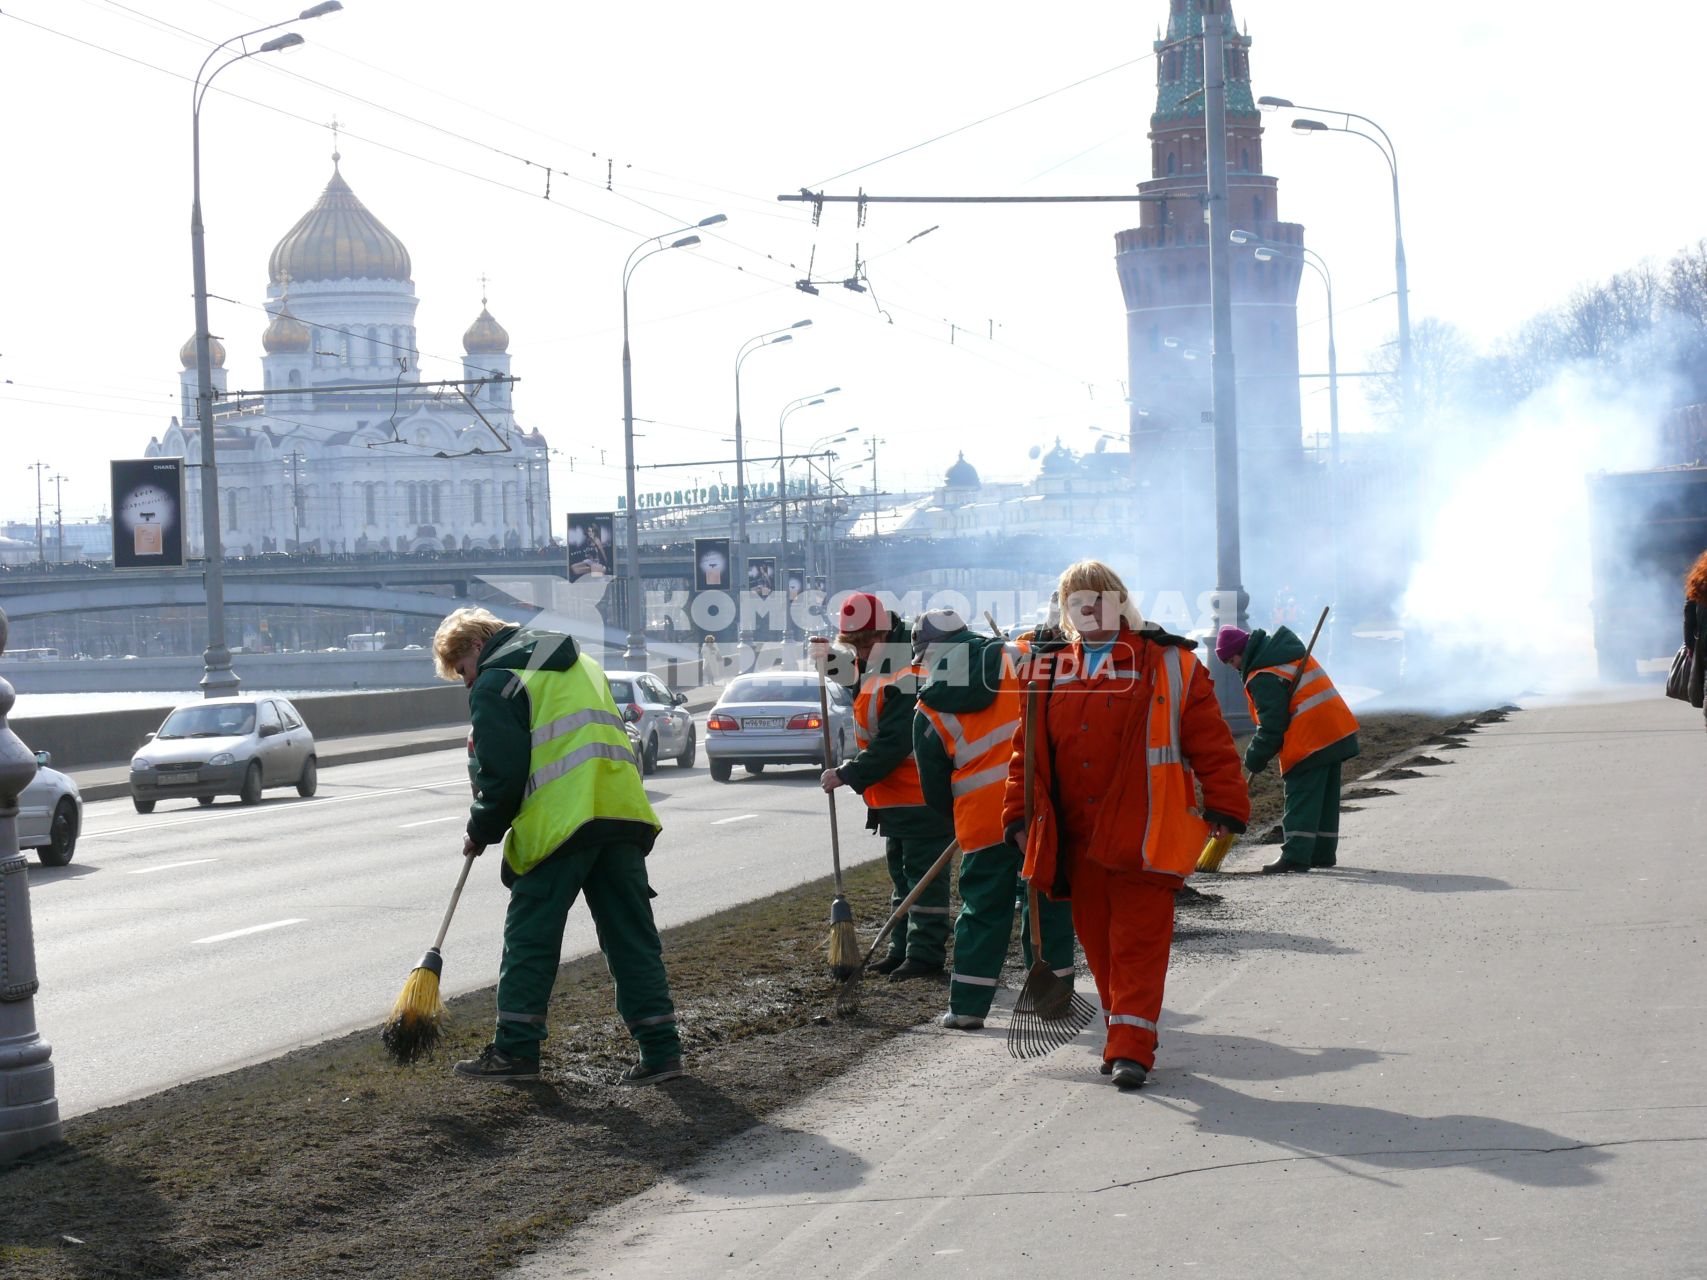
(1096, 577)
(460, 632)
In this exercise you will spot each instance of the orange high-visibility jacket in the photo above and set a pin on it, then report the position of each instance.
(1318, 716)
(1122, 753)
(979, 744)
(901, 785)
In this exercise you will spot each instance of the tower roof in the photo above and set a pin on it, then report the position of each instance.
(1180, 97)
(963, 475)
(485, 336)
(338, 239)
(187, 352)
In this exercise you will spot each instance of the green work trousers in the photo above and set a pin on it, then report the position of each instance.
(923, 935)
(990, 888)
(1311, 822)
(613, 876)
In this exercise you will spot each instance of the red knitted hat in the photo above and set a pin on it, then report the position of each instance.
(862, 611)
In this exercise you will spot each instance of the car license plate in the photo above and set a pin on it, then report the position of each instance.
(176, 779)
(763, 722)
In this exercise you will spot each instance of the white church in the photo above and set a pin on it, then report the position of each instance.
(351, 453)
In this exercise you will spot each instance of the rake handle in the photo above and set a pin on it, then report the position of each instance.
(456, 894)
(913, 896)
(823, 662)
(1031, 705)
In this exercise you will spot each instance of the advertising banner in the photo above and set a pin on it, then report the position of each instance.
(591, 542)
(148, 513)
(711, 564)
(761, 576)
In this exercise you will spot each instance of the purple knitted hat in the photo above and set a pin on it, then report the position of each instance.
(1229, 642)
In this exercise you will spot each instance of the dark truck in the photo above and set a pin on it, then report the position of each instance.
(1646, 528)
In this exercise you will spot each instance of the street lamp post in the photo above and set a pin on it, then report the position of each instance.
(636, 602)
(59, 513)
(1389, 153)
(1268, 251)
(793, 406)
(41, 552)
(218, 680)
(770, 339)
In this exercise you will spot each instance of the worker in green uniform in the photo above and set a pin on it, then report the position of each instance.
(887, 780)
(555, 781)
(963, 739)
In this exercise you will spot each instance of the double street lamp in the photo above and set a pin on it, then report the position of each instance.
(636, 596)
(218, 680)
(1384, 144)
(755, 343)
(1268, 251)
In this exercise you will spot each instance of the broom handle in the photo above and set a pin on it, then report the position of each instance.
(913, 895)
(824, 723)
(1308, 650)
(444, 928)
(1031, 701)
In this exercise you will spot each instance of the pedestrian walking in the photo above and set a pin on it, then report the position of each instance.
(963, 738)
(711, 662)
(555, 781)
(1695, 629)
(1302, 719)
(1127, 719)
(887, 779)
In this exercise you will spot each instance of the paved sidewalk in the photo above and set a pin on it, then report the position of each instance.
(1476, 1049)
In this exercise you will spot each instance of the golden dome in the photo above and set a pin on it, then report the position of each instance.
(286, 335)
(187, 352)
(485, 337)
(338, 239)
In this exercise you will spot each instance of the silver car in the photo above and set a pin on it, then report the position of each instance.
(776, 717)
(225, 747)
(50, 814)
(666, 731)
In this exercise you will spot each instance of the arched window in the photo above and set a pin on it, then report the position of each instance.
(1245, 159)
(438, 492)
(1173, 162)
(477, 494)
(373, 351)
(1256, 209)
(295, 378)
(370, 514)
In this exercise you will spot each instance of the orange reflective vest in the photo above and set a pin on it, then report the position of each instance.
(1317, 716)
(901, 786)
(979, 745)
(1174, 829)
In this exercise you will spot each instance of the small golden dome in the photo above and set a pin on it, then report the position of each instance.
(187, 352)
(485, 337)
(286, 335)
(338, 239)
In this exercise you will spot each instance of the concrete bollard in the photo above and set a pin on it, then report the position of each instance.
(29, 1111)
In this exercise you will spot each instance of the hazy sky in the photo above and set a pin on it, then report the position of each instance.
(1542, 145)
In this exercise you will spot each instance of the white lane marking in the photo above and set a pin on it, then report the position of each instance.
(242, 933)
(317, 802)
(740, 817)
(427, 822)
(169, 866)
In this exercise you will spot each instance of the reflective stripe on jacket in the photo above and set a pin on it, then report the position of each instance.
(979, 744)
(1317, 716)
(580, 767)
(901, 785)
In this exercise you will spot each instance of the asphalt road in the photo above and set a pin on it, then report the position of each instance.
(190, 941)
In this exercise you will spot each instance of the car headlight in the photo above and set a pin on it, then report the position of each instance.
(224, 757)
(140, 763)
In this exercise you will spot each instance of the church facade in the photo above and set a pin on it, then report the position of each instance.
(345, 450)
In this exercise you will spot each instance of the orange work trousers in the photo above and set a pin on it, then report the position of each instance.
(1125, 923)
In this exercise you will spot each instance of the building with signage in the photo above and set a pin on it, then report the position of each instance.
(344, 449)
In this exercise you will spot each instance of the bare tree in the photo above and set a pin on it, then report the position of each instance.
(1444, 365)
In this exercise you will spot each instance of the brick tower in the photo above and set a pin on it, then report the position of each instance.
(1164, 274)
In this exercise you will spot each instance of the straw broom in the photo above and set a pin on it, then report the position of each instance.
(847, 995)
(842, 949)
(417, 1019)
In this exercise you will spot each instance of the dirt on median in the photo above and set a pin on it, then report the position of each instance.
(331, 1162)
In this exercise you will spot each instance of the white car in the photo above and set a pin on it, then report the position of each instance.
(776, 718)
(223, 747)
(50, 814)
(666, 731)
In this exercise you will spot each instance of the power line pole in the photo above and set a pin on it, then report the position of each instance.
(59, 512)
(1229, 595)
(41, 553)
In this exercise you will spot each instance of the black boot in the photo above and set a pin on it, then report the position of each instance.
(1129, 1074)
(909, 969)
(494, 1064)
(1280, 866)
(888, 964)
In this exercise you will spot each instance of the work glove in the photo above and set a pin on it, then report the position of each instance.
(1254, 766)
